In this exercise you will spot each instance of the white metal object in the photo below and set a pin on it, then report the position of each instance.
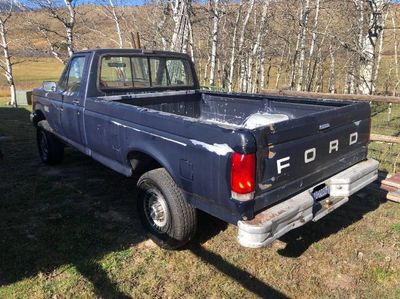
(263, 119)
(276, 221)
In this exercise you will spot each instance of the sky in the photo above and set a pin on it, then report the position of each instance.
(134, 2)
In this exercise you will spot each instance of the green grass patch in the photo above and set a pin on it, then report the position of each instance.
(396, 228)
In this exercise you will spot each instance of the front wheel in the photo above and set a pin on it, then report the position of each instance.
(166, 216)
(51, 149)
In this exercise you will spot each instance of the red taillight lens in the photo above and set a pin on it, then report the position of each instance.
(243, 173)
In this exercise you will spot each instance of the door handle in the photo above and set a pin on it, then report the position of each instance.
(75, 101)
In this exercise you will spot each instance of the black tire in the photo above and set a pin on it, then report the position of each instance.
(51, 149)
(176, 224)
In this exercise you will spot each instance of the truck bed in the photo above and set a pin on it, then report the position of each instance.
(310, 124)
(228, 110)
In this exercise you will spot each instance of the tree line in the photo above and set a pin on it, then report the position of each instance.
(336, 46)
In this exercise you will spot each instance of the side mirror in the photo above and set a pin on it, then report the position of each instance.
(49, 86)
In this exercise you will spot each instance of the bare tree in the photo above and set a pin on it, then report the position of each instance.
(233, 47)
(242, 54)
(215, 9)
(308, 79)
(61, 44)
(257, 52)
(6, 64)
(116, 17)
(375, 26)
(332, 70)
(180, 11)
(396, 59)
(300, 54)
(115, 11)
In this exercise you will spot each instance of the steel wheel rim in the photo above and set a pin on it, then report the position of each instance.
(156, 210)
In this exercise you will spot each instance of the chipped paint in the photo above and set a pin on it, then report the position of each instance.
(264, 186)
(271, 153)
(219, 149)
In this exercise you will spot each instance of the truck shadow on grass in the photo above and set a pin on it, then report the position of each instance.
(211, 227)
(300, 239)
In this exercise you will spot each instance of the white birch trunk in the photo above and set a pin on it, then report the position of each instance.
(313, 43)
(191, 40)
(332, 71)
(214, 40)
(69, 27)
(233, 50)
(369, 46)
(379, 54)
(8, 66)
(279, 69)
(396, 59)
(243, 60)
(302, 49)
(178, 16)
(116, 20)
(256, 47)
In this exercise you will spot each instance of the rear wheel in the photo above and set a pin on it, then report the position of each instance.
(51, 149)
(166, 216)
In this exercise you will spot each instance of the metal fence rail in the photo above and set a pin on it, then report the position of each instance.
(385, 129)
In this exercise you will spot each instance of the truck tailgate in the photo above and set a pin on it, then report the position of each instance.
(298, 153)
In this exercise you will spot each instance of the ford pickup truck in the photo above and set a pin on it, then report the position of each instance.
(267, 164)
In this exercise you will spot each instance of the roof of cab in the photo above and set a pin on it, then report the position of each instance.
(112, 51)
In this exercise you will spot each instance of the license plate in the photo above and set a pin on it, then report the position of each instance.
(321, 193)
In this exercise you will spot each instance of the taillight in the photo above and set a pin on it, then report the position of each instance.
(243, 176)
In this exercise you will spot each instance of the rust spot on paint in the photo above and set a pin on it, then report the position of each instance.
(271, 152)
(264, 217)
(264, 186)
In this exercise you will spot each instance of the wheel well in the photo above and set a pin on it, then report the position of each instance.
(142, 162)
(38, 117)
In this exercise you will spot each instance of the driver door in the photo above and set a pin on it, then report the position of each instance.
(73, 99)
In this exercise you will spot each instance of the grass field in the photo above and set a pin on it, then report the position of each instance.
(31, 73)
(72, 231)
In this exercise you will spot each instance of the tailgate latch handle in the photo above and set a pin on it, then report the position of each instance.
(324, 126)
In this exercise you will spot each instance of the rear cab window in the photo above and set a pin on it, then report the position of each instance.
(133, 72)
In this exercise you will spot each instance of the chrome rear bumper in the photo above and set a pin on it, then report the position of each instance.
(276, 221)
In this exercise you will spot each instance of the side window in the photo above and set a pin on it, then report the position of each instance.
(62, 84)
(75, 74)
(72, 78)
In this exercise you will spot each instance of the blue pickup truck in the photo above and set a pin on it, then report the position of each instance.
(267, 164)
